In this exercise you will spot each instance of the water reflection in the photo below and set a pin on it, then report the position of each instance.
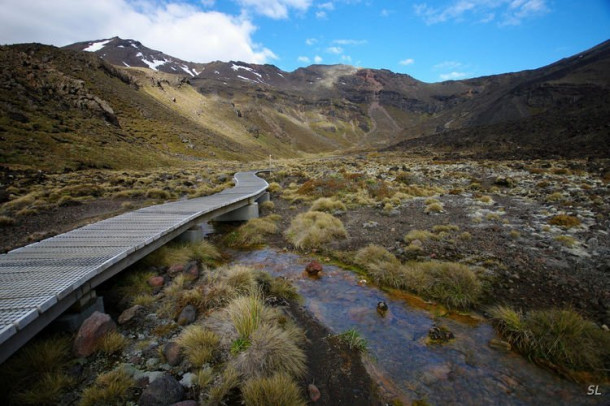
(464, 371)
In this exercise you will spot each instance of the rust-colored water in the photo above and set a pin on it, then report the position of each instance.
(465, 371)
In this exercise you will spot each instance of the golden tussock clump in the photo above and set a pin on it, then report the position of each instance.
(313, 229)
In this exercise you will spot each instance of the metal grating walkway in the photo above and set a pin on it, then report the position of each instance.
(40, 281)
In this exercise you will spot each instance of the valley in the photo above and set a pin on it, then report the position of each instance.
(475, 207)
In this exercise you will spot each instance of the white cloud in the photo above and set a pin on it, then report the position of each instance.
(311, 41)
(350, 41)
(346, 58)
(452, 75)
(317, 59)
(448, 65)
(327, 6)
(406, 62)
(276, 9)
(304, 59)
(484, 11)
(177, 29)
(334, 50)
(320, 15)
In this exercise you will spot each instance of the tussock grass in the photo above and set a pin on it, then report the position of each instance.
(564, 220)
(35, 375)
(172, 254)
(452, 284)
(445, 228)
(329, 205)
(421, 235)
(279, 389)
(143, 299)
(46, 390)
(254, 232)
(112, 343)
(353, 340)
(267, 206)
(434, 208)
(7, 221)
(110, 388)
(313, 229)
(562, 337)
(199, 345)
(374, 254)
(566, 240)
(246, 314)
(272, 349)
(229, 379)
(241, 278)
(381, 265)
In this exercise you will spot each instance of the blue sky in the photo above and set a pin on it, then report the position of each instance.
(429, 40)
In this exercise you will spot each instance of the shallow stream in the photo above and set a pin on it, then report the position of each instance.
(464, 371)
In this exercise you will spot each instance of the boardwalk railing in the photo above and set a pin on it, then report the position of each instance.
(40, 281)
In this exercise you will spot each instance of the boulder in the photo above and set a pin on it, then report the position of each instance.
(93, 329)
(171, 352)
(175, 270)
(156, 281)
(130, 313)
(186, 403)
(164, 391)
(313, 268)
(187, 315)
(314, 392)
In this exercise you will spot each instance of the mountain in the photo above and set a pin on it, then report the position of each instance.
(121, 104)
(130, 53)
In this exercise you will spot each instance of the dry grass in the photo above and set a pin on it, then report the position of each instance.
(564, 220)
(35, 375)
(434, 208)
(451, 284)
(561, 337)
(272, 349)
(421, 235)
(254, 232)
(329, 205)
(566, 240)
(110, 388)
(198, 344)
(112, 343)
(246, 313)
(7, 221)
(313, 229)
(172, 254)
(229, 379)
(279, 389)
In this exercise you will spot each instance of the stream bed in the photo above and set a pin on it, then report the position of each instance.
(463, 371)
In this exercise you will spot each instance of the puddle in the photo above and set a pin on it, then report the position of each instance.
(464, 371)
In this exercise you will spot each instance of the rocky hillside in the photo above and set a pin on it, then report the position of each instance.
(559, 109)
(124, 105)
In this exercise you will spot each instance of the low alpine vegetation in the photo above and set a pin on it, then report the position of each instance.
(313, 229)
(562, 337)
(254, 233)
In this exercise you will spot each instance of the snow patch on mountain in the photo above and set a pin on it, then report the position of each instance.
(96, 46)
(154, 64)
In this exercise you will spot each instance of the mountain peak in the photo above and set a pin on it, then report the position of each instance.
(131, 53)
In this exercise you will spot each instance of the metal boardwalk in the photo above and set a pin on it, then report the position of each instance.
(40, 281)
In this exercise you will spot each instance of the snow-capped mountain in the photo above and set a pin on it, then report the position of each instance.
(131, 53)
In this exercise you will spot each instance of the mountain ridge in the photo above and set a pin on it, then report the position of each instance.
(173, 109)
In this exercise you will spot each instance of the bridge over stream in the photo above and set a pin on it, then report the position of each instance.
(41, 281)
